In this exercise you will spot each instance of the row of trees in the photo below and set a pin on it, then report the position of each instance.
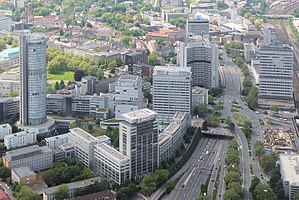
(233, 177)
(66, 173)
(150, 183)
(293, 29)
(261, 191)
(8, 40)
(250, 92)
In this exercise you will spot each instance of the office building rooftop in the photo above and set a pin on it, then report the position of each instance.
(83, 134)
(112, 152)
(139, 115)
(171, 70)
(290, 168)
(26, 152)
(23, 171)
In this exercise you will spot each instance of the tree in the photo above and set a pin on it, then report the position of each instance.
(78, 75)
(89, 127)
(203, 197)
(237, 187)
(62, 192)
(56, 86)
(231, 194)
(296, 196)
(148, 185)
(205, 125)
(2, 45)
(268, 161)
(153, 58)
(259, 148)
(170, 185)
(161, 175)
(232, 177)
(4, 172)
(61, 84)
(263, 192)
(202, 110)
(254, 182)
(274, 108)
(26, 193)
(148, 95)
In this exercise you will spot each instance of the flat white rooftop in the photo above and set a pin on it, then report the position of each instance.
(139, 115)
(112, 152)
(83, 134)
(290, 168)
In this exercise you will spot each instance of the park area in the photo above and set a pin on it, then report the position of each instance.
(241, 117)
(66, 76)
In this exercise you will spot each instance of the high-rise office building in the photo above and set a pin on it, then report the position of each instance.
(138, 139)
(128, 95)
(198, 26)
(33, 79)
(5, 23)
(269, 33)
(276, 72)
(172, 89)
(201, 56)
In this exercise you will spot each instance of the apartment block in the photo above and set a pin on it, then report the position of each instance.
(138, 139)
(5, 129)
(55, 141)
(172, 87)
(112, 164)
(35, 157)
(19, 139)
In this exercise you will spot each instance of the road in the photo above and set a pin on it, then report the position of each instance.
(188, 187)
(160, 191)
(7, 190)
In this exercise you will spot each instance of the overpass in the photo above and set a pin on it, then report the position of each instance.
(219, 133)
(278, 16)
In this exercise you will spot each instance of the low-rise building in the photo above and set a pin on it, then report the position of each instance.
(5, 129)
(9, 83)
(112, 164)
(9, 58)
(135, 57)
(8, 108)
(69, 151)
(143, 70)
(35, 157)
(199, 96)
(19, 139)
(56, 141)
(289, 167)
(5, 23)
(23, 176)
(48, 194)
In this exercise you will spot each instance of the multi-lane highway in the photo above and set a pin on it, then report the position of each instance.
(188, 187)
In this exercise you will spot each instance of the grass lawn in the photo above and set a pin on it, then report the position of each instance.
(241, 117)
(66, 76)
(96, 132)
(234, 110)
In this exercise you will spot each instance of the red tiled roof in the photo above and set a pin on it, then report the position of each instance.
(3, 195)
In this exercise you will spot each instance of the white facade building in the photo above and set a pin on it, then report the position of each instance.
(289, 167)
(56, 141)
(201, 56)
(270, 34)
(5, 129)
(171, 92)
(35, 157)
(19, 139)
(138, 139)
(5, 23)
(128, 95)
(33, 79)
(276, 72)
(112, 164)
(83, 143)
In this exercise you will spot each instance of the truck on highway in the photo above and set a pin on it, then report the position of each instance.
(207, 152)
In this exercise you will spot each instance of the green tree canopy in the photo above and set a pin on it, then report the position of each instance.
(26, 193)
(62, 192)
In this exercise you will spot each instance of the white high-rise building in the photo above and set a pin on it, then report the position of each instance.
(128, 95)
(5, 23)
(172, 92)
(198, 26)
(270, 34)
(138, 139)
(276, 72)
(201, 56)
(33, 79)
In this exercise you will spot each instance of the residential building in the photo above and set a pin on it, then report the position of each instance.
(49, 193)
(33, 79)
(19, 139)
(276, 66)
(35, 157)
(112, 164)
(83, 143)
(5, 23)
(135, 57)
(57, 140)
(171, 35)
(8, 108)
(202, 57)
(171, 139)
(289, 165)
(270, 34)
(9, 57)
(128, 95)
(5, 129)
(138, 139)
(171, 92)
(199, 96)
(198, 26)
(23, 176)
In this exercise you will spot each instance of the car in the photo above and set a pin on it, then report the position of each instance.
(257, 112)
(280, 118)
(213, 180)
(224, 166)
(284, 119)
